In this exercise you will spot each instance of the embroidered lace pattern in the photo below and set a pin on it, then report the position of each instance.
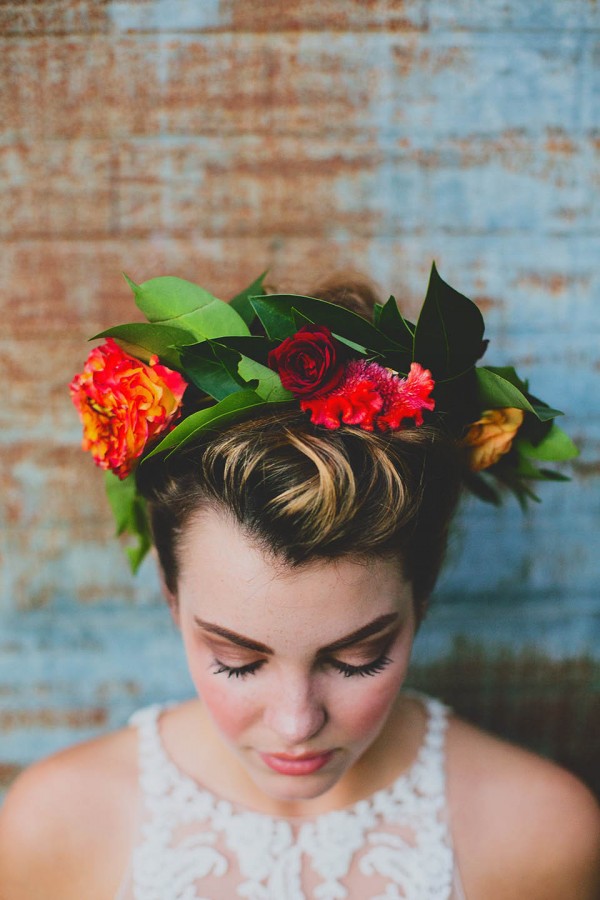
(193, 845)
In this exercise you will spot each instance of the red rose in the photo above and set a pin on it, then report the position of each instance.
(307, 362)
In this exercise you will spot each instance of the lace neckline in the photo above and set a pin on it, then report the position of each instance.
(416, 778)
(394, 844)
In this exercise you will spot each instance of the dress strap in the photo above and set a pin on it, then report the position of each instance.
(154, 764)
(430, 768)
(427, 775)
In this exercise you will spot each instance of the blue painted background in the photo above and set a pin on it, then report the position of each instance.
(211, 140)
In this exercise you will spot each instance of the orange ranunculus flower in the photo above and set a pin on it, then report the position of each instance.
(491, 436)
(123, 403)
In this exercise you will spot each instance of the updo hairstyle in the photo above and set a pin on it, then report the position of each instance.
(305, 493)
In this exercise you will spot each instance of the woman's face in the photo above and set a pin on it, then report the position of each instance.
(298, 668)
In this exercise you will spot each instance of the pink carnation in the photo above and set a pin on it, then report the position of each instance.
(374, 398)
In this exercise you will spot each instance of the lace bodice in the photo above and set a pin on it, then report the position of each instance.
(192, 845)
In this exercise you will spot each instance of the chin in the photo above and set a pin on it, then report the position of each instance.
(293, 789)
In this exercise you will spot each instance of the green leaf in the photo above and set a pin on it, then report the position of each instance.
(256, 348)
(508, 373)
(448, 336)
(142, 535)
(275, 315)
(551, 475)
(481, 488)
(277, 311)
(300, 320)
(214, 369)
(525, 469)
(358, 348)
(554, 447)
(513, 480)
(241, 302)
(543, 412)
(228, 408)
(121, 496)
(496, 392)
(392, 322)
(176, 302)
(221, 370)
(131, 518)
(269, 385)
(523, 492)
(143, 340)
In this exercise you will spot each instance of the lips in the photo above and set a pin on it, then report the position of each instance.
(306, 764)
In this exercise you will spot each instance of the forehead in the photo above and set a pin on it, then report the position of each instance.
(227, 579)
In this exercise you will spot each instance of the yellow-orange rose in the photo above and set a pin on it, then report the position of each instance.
(123, 403)
(491, 436)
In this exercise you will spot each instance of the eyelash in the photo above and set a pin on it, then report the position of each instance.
(372, 668)
(348, 671)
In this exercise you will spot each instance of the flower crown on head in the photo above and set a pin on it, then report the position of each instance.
(342, 370)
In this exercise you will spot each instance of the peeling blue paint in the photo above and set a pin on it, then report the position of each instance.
(469, 137)
(167, 15)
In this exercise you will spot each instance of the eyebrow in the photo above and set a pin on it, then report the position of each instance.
(371, 628)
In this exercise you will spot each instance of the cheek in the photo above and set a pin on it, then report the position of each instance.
(232, 714)
(367, 707)
(228, 700)
(368, 701)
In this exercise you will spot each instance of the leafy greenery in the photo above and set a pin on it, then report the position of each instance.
(179, 303)
(500, 386)
(131, 518)
(554, 447)
(220, 370)
(278, 313)
(241, 302)
(391, 321)
(229, 408)
(496, 392)
(143, 340)
(211, 344)
(448, 338)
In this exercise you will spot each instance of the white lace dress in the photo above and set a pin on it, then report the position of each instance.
(192, 845)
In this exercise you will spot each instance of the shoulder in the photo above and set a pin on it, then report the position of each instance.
(523, 826)
(67, 823)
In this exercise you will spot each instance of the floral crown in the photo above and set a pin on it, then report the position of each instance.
(198, 362)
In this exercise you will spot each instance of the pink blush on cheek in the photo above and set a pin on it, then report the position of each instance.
(364, 717)
(231, 714)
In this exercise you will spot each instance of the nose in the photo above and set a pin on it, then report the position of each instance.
(296, 712)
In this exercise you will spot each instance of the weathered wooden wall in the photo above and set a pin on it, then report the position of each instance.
(213, 139)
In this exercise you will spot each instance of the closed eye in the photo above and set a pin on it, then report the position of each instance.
(345, 669)
(237, 671)
(372, 668)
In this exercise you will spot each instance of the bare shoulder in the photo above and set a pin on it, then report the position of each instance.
(67, 822)
(523, 826)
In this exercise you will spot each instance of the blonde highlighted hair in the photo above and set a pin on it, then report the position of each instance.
(305, 493)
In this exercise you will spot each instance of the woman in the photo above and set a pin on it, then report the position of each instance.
(299, 509)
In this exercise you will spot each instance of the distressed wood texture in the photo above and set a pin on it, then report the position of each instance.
(214, 139)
